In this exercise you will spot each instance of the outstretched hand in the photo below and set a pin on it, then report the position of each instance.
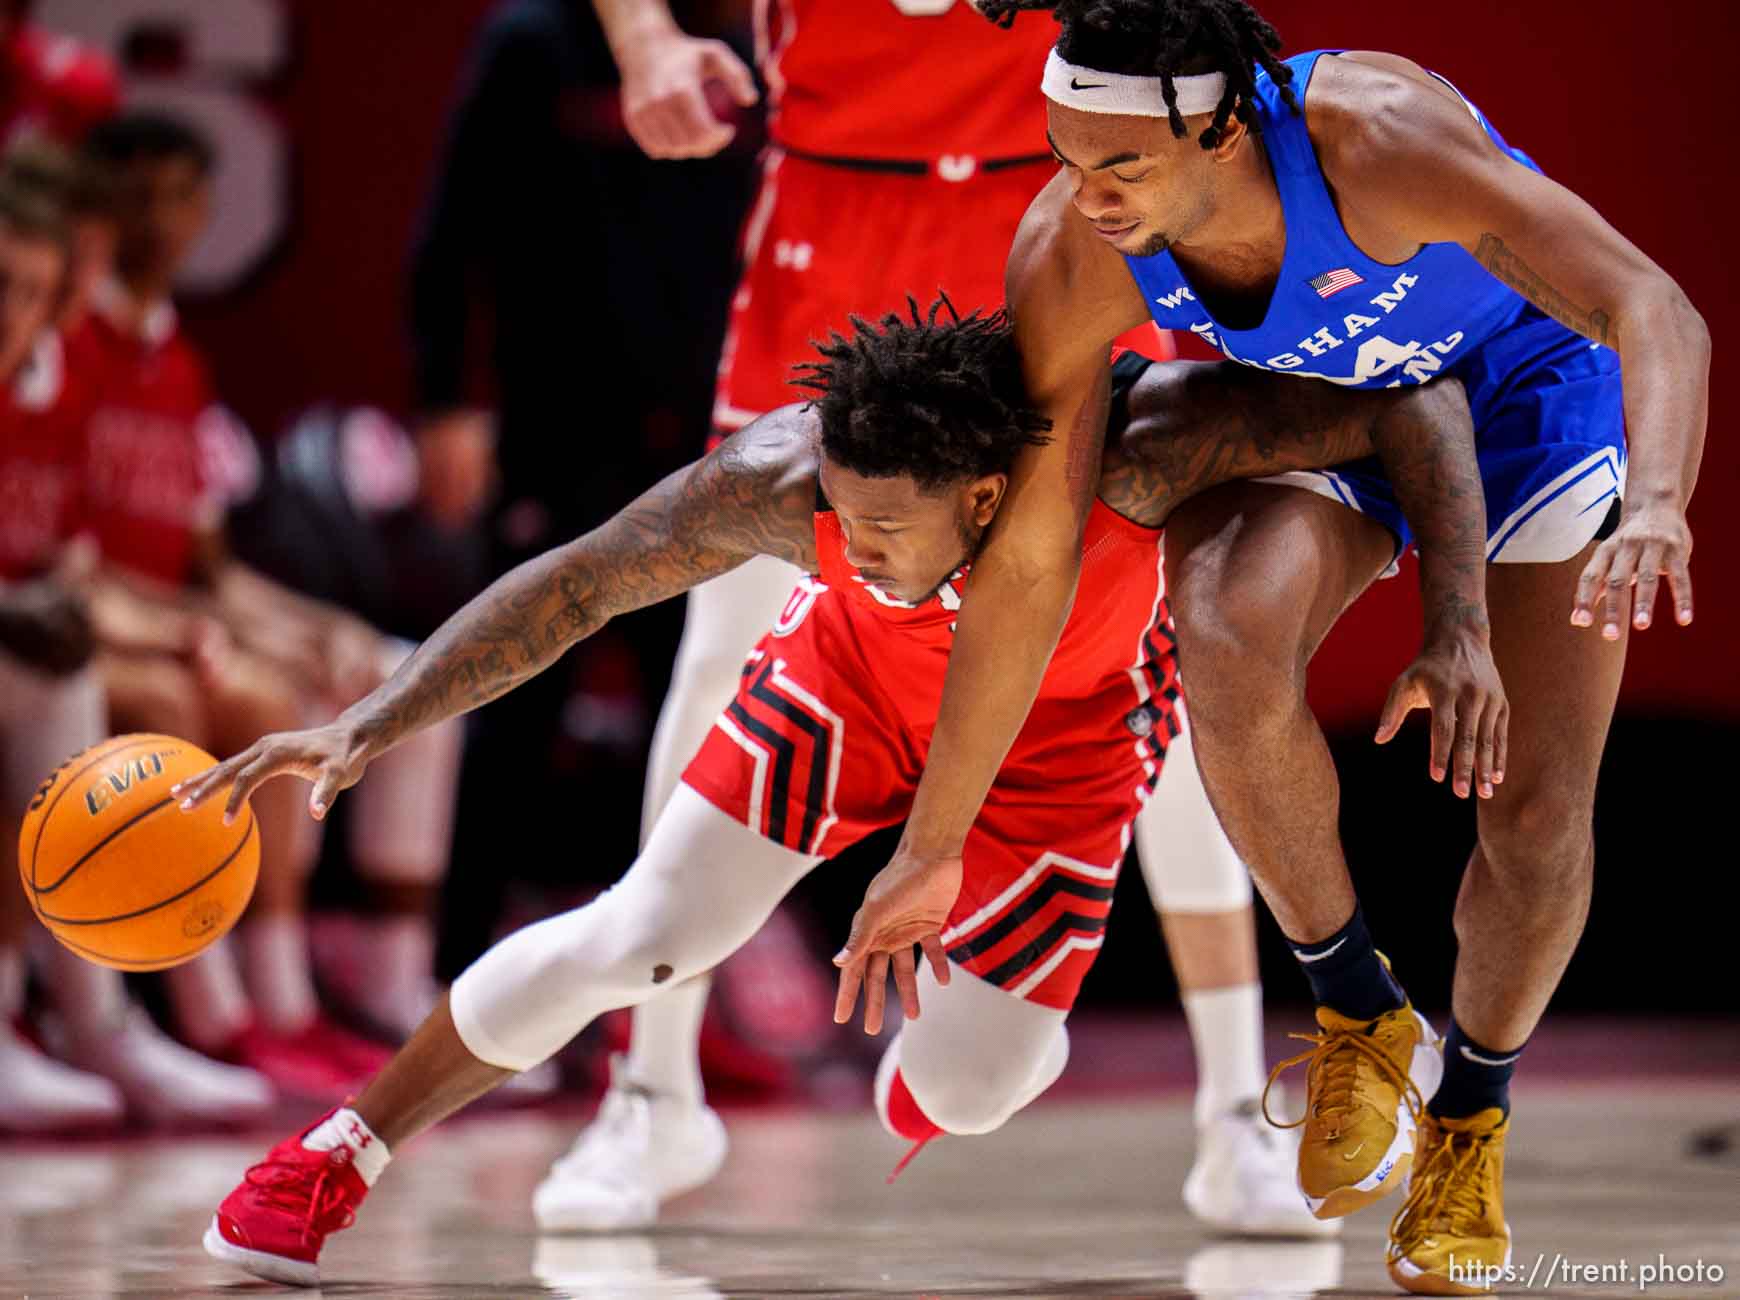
(906, 904)
(1650, 543)
(1455, 677)
(328, 756)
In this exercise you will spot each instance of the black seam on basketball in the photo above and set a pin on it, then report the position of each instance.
(127, 964)
(125, 826)
(42, 824)
(173, 898)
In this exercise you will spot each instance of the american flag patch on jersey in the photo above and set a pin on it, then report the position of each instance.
(1333, 282)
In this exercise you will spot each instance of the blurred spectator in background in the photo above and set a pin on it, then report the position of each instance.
(592, 285)
(50, 83)
(196, 644)
(113, 1059)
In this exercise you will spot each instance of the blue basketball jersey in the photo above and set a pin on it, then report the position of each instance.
(1547, 403)
(1336, 314)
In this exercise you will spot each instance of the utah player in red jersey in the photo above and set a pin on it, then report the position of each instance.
(881, 492)
(221, 654)
(104, 1058)
(903, 153)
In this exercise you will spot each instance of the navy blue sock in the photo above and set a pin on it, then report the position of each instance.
(1345, 972)
(1475, 1077)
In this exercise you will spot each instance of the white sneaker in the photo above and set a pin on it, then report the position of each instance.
(1243, 1181)
(40, 1095)
(163, 1082)
(640, 1150)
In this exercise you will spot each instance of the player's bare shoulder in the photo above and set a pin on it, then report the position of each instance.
(760, 485)
(1367, 109)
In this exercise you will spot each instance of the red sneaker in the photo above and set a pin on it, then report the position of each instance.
(296, 1068)
(362, 1058)
(275, 1222)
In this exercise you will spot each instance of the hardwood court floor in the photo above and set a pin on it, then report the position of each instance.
(1074, 1198)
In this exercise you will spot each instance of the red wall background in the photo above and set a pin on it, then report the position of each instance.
(1627, 104)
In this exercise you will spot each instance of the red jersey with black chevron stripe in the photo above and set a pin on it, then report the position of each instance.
(828, 734)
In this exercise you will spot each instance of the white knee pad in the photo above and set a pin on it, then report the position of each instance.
(702, 886)
(724, 620)
(975, 1055)
(1187, 860)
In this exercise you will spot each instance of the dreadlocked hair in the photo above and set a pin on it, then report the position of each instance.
(933, 395)
(1167, 39)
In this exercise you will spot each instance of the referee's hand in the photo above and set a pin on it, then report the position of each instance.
(907, 904)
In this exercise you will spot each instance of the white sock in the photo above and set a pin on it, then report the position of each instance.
(91, 999)
(211, 1006)
(11, 981)
(344, 1127)
(664, 1052)
(1226, 1031)
(400, 963)
(275, 964)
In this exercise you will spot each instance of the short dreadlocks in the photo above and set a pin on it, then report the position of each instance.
(1167, 39)
(934, 396)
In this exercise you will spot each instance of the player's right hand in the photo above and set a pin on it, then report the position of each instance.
(330, 756)
(1456, 679)
(906, 904)
(664, 94)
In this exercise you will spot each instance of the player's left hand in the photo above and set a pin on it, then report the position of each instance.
(1650, 542)
(1455, 677)
(907, 903)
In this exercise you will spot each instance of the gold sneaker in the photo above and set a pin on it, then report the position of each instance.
(1364, 1093)
(1450, 1237)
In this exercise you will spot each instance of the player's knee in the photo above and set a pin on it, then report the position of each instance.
(970, 1095)
(163, 697)
(1539, 835)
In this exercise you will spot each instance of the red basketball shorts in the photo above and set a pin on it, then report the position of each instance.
(825, 242)
(820, 747)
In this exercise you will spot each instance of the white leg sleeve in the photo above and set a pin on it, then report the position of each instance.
(702, 886)
(976, 1054)
(724, 620)
(1187, 860)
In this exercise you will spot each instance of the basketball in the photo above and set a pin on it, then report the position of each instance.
(118, 872)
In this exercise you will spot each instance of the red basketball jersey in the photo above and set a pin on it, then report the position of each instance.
(146, 486)
(1114, 670)
(902, 79)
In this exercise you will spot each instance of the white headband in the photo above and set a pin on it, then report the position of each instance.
(1093, 91)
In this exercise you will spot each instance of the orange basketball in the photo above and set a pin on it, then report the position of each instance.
(118, 872)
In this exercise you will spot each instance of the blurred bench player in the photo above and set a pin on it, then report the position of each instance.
(880, 493)
(905, 148)
(194, 643)
(105, 1057)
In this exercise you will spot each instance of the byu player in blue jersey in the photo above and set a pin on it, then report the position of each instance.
(1347, 217)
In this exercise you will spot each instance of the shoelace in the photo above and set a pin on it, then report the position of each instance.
(1451, 1188)
(1340, 1071)
(280, 1186)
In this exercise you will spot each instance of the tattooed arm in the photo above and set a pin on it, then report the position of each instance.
(1410, 166)
(1187, 426)
(754, 495)
(1192, 425)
